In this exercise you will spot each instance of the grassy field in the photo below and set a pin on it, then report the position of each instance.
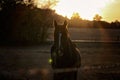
(96, 34)
(100, 55)
(100, 61)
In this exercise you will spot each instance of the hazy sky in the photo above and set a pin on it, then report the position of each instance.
(108, 9)
(112, 11)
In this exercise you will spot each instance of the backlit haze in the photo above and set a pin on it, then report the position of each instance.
(108, 9)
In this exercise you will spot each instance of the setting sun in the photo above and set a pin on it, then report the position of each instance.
(86, 8)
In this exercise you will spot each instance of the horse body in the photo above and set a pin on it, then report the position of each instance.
(64, 53)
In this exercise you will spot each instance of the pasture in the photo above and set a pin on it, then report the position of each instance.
(100, 58)
(99, 62)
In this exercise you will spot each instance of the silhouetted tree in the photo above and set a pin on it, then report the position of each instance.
(115, 24)
(75, 20)
(75, 16)
(47, 4)
(97, 17)
(24, 23)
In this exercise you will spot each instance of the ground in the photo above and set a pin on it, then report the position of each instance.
(100, 61)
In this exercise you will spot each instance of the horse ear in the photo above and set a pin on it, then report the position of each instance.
(65, 23)
(55, 23)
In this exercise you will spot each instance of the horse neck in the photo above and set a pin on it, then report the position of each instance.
(66, 41)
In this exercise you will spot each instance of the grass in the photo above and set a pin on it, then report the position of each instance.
(100, 61)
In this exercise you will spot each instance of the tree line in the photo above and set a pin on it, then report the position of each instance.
(22, 22)
(77, 21)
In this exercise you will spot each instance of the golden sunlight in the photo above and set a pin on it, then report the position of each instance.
(86, 8)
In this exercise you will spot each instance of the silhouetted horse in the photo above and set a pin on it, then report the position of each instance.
(64, 54)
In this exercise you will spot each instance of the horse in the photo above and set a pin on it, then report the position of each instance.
(64, 54)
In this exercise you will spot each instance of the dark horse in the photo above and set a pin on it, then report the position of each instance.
(64, 54)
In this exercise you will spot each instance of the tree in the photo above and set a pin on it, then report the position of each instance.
(75, 20)
(46, 4)
(97, 17)
(76, 16)
(115, 24)
(21, 23)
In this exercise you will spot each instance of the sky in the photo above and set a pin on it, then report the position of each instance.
(87, 9)
(112, 11)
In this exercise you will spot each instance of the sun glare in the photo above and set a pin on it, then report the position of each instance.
(86, 8)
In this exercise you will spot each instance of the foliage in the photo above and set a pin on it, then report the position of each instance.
(47, 4)
(75, 16)
(26, 24)
(115, 25)
(75, 20)
(97, 17)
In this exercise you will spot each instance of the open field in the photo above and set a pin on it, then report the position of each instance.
(96, 34)
(100, 61)
(100, 55)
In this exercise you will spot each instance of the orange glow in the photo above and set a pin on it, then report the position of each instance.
(86, 8)
(108, 9)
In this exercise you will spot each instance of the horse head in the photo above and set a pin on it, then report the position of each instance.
(60, 35)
